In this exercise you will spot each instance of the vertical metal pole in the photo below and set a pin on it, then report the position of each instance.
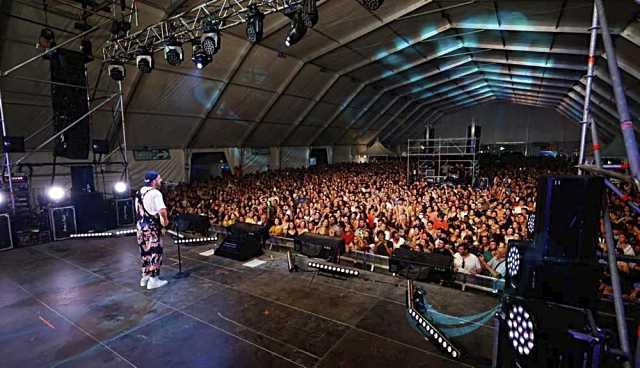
(621, 101)
(615, 283)
(596, 142)
(7, 159)
(408, 161)
(587, 96)
(124, 134)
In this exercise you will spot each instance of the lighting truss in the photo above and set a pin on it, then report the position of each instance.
(339, 270)
(189, 25)
(429, 330)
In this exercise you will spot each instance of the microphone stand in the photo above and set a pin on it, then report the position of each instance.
(179, 274)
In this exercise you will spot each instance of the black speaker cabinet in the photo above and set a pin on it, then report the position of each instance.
(63, 222)
(125, 212)
(567, 216)
(93, 212)
(319, 246)
(82, 180)
(243, 242)
(6, 236)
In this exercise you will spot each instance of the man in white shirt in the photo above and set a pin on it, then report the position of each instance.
(466, 262)
(152, 219)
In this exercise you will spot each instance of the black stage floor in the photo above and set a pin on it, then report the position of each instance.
(78, 303)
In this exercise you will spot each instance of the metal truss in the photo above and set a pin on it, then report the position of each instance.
(188, 25)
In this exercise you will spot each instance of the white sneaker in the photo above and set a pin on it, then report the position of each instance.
(155, 283)
(144, 280)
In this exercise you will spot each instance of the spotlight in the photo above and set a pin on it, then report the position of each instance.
(56, 193)
(2, 198)
(371, 4)
(513, 261)
(120, 187)
(310, 13)
(200, 58)
(255, 24)
(144, 60)
(210, 39)
(117, 71)
(298, 29)
(173, 52)
(47, 39)
(520, 329)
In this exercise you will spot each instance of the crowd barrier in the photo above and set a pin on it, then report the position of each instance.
(373, 261)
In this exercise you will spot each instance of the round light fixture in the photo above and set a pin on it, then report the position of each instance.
(520, 329)
(120, 187)
(56, 193)
(513, 261)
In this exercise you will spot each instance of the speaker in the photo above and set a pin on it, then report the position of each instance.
(6, 235)
(536, 334)
(82, 180)
(319, 246)
(70, 103)
(63, 222)
(420, 266)
(243, 242)
(125, 212)
(93, 212)
(196, 223)
(567, 216)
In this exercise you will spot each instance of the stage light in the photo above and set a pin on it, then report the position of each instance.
(531, 223)
(200, 58)
(520, 328)
(116, 71)
(210, 39)
(333, 269)
(120, 187)
(371, 4)
(173, 52)
(310, 13)
(56, 193)
(144, 60)
(255, 24)
(297, 29)
(47, 39)
(2, 198)
(513, 261)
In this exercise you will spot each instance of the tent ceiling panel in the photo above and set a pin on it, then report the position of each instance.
(346, 117)
(240, 103)
(176, 94)
(156, 130)
(312, 43)
(364, 97)
(338, 59)
(267, 133)
(309, 81)
(286, 109)
(321, 112)
(376, 44)
(222, 133)
(340, 90)
(329, 136)
(301, 135)
(264, 69)
(338, 19)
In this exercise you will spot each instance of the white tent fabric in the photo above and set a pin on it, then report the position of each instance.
(355, 77)
(379, 150)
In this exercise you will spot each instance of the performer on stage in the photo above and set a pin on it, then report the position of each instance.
(152, 218)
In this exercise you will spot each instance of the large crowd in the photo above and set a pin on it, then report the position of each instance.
(373, 209)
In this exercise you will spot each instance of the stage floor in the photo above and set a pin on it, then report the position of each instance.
(78, 303)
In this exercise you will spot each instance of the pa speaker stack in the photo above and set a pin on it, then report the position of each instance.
(551, 282)
(319, 246)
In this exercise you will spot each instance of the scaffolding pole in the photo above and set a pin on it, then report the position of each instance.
(7, 159)
(124, 135)
(626, 125)
(587, 96)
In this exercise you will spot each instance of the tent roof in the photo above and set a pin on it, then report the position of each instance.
(357, 76)
(378, 149)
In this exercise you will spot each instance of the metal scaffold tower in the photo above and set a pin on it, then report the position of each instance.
(440, 159)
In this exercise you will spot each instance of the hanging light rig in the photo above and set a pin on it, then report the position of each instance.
(201, 27)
